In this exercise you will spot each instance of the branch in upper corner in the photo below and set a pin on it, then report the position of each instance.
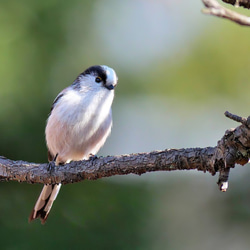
(214, 8)
(239, 3)
(233, 148)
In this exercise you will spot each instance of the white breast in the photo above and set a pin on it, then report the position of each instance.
(79, 124)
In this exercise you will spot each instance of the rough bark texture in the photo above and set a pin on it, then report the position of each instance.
(234, 147)
(214, 8)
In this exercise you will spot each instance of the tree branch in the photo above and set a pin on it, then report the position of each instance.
(214, 8)
(239, 3)
(234, 147)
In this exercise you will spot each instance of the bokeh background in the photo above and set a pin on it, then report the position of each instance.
(179, 71)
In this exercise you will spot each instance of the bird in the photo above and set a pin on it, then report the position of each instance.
(78, 125)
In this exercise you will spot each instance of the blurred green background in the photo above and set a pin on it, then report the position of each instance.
(179, 71)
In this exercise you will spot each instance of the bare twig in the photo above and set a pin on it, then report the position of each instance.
(234, 147)
(235, 117)
(223, 179)
(214, 8)
(243, 120)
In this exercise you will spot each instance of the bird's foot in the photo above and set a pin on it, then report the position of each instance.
(92, 157)
(52, 164)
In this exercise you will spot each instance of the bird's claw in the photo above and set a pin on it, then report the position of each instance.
(51, 166)
(92, 157)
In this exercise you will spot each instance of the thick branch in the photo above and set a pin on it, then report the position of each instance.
(167, 160)
(234, 147)
(214, 8)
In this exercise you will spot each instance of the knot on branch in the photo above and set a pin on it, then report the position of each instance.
(233, 148)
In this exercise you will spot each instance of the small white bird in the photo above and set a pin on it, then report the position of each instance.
(78, 125)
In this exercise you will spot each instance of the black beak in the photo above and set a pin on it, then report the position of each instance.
(110, 87)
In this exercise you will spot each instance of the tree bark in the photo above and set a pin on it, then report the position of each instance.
(233, 148)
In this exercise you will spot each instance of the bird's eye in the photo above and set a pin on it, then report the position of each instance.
(98, 79)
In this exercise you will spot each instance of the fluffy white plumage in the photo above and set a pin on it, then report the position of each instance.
(80, 125)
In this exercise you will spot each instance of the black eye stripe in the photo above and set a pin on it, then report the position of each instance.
(97, 71)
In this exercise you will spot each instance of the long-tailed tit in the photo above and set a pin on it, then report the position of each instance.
(78, 125)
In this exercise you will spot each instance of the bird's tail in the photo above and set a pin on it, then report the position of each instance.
(45, 202)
